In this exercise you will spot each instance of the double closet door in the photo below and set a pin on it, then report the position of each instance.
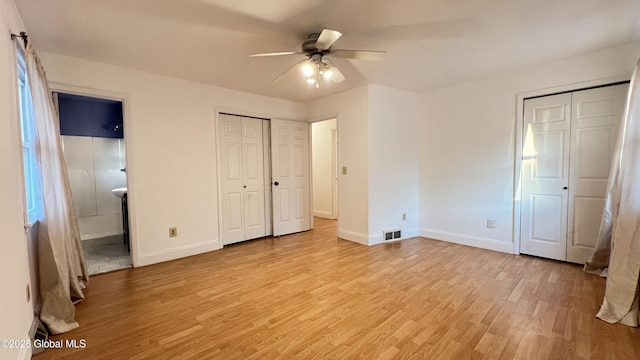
(569, 142)
(242, 178)
(254, 203)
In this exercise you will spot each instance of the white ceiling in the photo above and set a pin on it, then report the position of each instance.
(430, 43)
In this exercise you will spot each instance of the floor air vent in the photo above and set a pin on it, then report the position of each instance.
(393, 234)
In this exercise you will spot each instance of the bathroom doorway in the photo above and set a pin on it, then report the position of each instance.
(324, 154)
(93, 144)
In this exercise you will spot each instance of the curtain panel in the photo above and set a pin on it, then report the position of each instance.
(63, 269)
(617, 253)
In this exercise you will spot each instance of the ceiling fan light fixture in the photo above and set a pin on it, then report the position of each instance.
(327, 73)
(307, 69)
(317, 69)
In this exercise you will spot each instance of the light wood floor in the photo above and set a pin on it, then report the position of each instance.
(311, 295)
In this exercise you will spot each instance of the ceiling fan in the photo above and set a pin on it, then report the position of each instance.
(318, 65)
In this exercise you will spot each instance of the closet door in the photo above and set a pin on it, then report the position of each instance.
(545, 176)
(596, 115)
(242, 178)
(229, 130)
(253, 178)
(569, 142)
(290, 170)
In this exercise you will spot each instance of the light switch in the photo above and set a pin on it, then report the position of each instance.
(344, 170)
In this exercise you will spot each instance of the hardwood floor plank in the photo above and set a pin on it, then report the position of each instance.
(314, 296)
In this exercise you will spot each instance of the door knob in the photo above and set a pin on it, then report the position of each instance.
(565, 188)
(245, 186)
(276, 183)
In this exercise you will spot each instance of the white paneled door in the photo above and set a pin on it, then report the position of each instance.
(242, 178)
(569, 141)
(290, 176)
(595, 120)
(545, 176)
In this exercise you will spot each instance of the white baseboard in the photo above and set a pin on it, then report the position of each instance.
(475, 241)
(177, 253)
(376, 239)
(353, 236)
(100, 235)
(323, 214)
(25, 353)
(406, 234)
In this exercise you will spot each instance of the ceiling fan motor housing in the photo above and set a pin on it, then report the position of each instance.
(309, 46)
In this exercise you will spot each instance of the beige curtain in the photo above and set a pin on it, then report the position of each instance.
(617, 253)
(63, 270)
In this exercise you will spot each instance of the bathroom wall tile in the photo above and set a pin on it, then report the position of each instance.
(78, 154)
(94, 167)
(108, 162)
(122, 155)
(93, 227)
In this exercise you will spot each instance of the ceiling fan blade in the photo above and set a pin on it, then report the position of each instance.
(360, 54)
(327, 38)
(276, 54)
(337, 75)
(289, 68)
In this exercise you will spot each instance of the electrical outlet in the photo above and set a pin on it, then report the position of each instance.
(491, 224)
(404, 216)
(344, 170)
(173, 232)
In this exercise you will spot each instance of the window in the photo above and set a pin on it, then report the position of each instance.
(31, 166)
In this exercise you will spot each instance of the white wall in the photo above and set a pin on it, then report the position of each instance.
(322, 168)
(377, 132)
(393, 162)
(15, 311)
(94, 166)
(350, 108)
(468, 140)
(171, 152)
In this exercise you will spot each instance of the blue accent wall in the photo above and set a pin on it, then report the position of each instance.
(88, 116)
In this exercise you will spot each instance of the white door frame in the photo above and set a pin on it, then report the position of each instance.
(334, 170)
(517, 183)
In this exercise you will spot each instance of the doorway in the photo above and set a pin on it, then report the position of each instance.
(92, 134)
(324, 153)
(567, 148)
